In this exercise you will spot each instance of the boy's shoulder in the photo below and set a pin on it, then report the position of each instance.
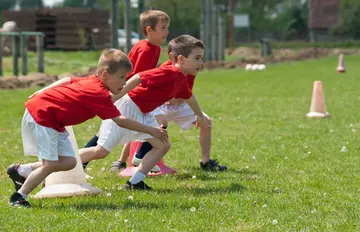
(144, 45)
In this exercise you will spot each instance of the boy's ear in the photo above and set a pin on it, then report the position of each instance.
(180, 59)
(171, 56)
(104, 74)
(148, 29)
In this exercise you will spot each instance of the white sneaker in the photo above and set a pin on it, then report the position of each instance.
(136, 162)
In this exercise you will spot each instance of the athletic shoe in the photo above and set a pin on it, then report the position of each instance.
(212, 165)
(15, 176)
(139, 186)
(18, 201)
(117, 166)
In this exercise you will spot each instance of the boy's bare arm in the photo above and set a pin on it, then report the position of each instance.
(130, 84)
(194, 105)
(124, 122)
(200, 119)
(63, 81)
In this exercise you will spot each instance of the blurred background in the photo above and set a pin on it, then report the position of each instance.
(86, 24)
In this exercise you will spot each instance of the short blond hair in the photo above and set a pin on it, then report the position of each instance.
(150, 18)
(112, 60)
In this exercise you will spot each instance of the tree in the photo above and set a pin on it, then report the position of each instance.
(31, 4)
(350, 19)
(6, 5)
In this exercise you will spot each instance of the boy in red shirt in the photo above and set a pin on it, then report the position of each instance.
(144, 56)
(147, 91)
(178, 111)
(69, 101)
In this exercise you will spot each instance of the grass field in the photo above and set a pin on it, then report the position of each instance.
(286, 172)
(57, 62)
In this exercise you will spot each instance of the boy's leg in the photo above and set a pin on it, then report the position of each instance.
(146, 146)
(64, 163)
(92, 143)
(121, 163)
(148, 162)
(205, 143)
(19, 172)
(92, 153)
(185, 118)
(37, 176)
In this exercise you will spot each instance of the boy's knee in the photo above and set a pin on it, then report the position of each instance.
(209, 120)
(166, 147)
(72, 163)
(101, 152)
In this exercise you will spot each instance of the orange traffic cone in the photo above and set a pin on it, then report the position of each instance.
(129, 171)
(341, 66)
(317, 108)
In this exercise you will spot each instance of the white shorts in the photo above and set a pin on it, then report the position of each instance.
(181, 114)
(44, 142)
(111, 134)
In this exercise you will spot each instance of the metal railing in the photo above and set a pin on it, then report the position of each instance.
(19, 43)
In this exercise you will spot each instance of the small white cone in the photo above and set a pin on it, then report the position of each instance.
(341, 65)
(317, 108)
(68, 183)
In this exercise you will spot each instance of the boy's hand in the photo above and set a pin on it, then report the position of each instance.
(176, 101)
(202, 122)
(159, 133)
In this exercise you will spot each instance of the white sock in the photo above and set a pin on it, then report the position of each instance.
(24, 170)
(137, 177)
(22, 194)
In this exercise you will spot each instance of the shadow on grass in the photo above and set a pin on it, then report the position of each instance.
(234, 187)
(206, 175)
(104, 206)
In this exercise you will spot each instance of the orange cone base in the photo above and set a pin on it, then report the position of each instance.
(67, 190)
(318, 115)
(164, 170)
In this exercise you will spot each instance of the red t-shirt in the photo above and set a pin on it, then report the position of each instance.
(190, 78)
(158, 86)
(65, 105)
(143, 56)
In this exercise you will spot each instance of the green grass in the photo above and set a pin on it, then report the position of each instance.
(282, 165)
(57, 62)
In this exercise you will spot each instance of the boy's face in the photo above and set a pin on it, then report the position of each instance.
(114, 82)
(158, 36)
(194, 62)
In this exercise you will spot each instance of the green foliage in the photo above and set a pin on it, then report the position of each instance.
(6, 4)
(31, 4)
(350, 19)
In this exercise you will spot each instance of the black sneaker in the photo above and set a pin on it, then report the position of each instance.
(18, 201)
(139, 186)
(212, 165)
(118, 166)
(15, 176)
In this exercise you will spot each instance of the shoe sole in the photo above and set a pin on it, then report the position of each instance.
(17, 184)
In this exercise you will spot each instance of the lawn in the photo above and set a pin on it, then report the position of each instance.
(286, 172)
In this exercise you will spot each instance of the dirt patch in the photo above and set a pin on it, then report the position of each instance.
(252, 56)
(246, 56)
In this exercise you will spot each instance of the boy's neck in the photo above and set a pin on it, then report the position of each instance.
(181, 69)
(151, 42)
